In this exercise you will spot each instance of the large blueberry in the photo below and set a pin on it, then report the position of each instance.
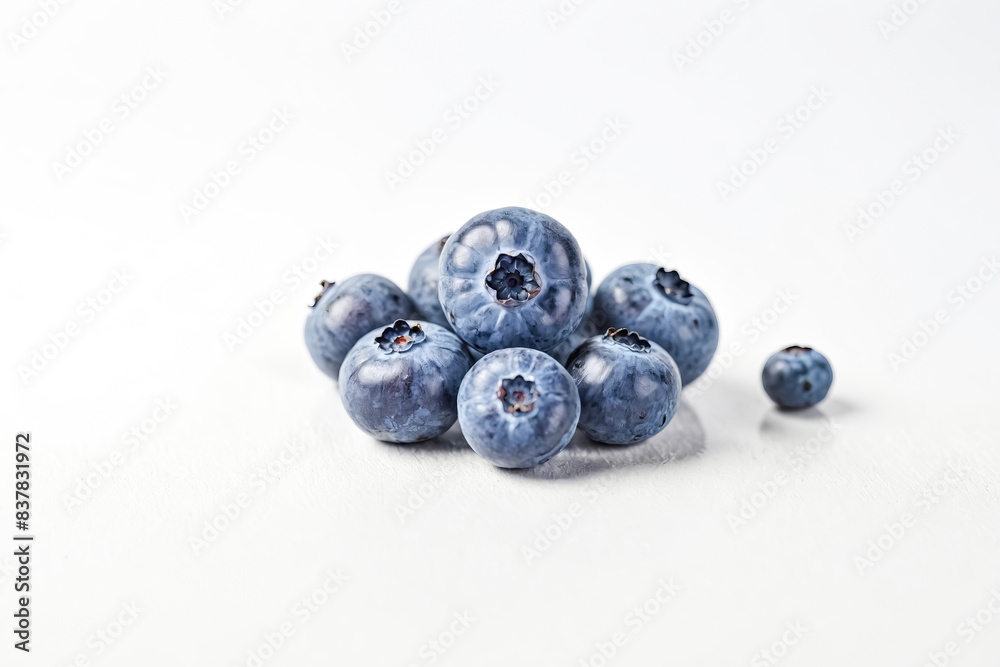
(518, 407)
(345, 311)
(797, 377)
(400, 383)
(629, 387)
(512, 277)
(423, 284)
(662, 307)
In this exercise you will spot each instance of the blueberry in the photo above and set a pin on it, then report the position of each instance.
(518, 407)
(423, 284)
(400, 383)
(797, 377)
(512, 278)
(562, 351)
(586, 329)
(665, 309)
(343, 312)
(629, 387)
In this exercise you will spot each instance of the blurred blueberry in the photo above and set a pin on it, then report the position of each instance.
(664, 308)
(629, 387)
(423, 284)
(400, 383)
(797, 377)
(343, 312)
(512, 277)
(518, 407)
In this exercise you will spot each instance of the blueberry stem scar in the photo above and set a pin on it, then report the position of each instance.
(517, 394)
(400, 337)
(629, 339)
(513, 279)
(325, 286)
(673, 287)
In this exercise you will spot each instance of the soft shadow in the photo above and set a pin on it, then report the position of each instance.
(451, 440)
(683, 437)
(790, 425)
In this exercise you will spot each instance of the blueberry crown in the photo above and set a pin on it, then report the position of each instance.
(400, 337)
(629, 339)
(326, 286)
(673, 286)
(513, 279)
(517, 395)
(797, 349)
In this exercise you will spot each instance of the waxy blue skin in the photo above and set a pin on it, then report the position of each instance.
(407, 395)
(540, 321)
(629, 298)
(797, 377)
(423, 284)
(626, 394)
(519, 439)
(348, 310)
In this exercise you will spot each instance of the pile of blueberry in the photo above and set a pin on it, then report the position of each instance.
(501, 332)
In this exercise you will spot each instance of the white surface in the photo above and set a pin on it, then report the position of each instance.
(657, 511)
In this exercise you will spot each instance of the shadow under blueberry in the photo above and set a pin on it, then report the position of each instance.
(683, 437)
(451, 441)
(794, 426)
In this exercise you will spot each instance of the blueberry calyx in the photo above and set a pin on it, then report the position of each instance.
(797, 349)
(513, 279)
(400, 337)
(629, 339)
(326, 285)
(673, 286)
(517, 394)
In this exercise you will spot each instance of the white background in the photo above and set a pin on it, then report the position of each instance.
(661, 510)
